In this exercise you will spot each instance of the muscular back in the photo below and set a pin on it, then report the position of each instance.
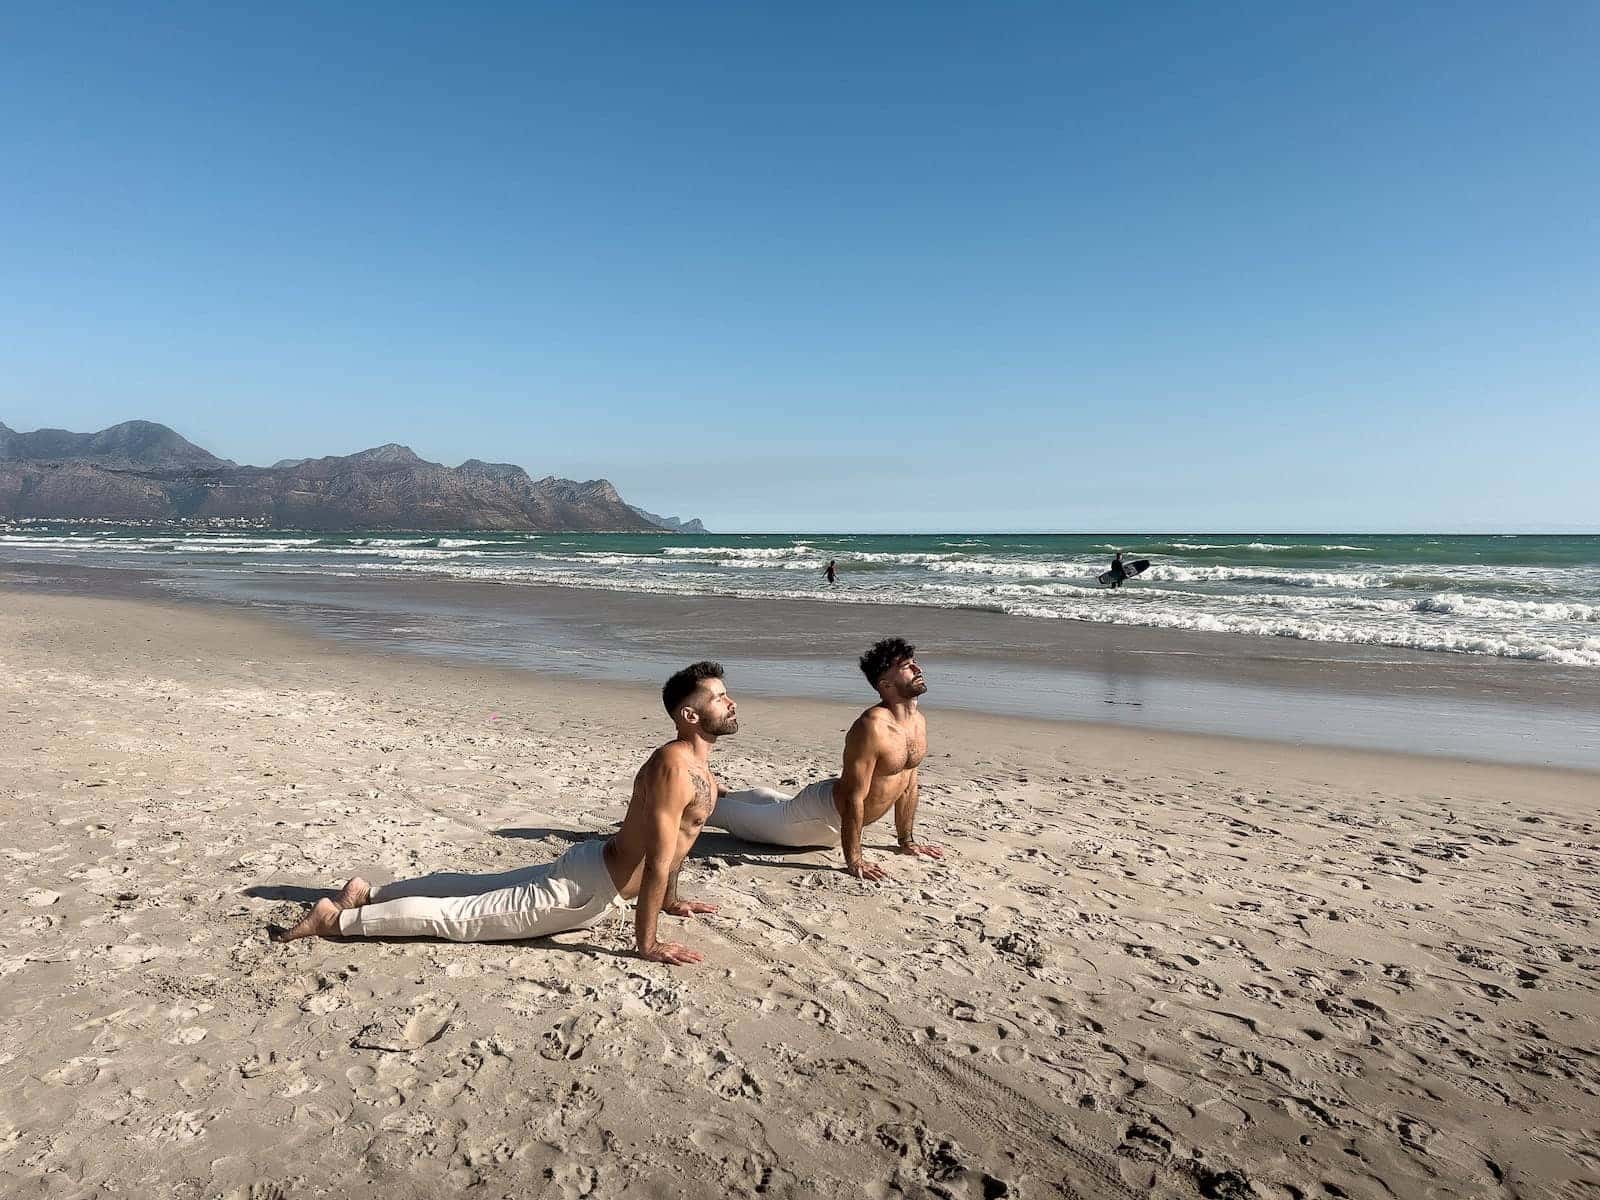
(672, 789)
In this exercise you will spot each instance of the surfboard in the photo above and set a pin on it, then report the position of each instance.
(1137, 567)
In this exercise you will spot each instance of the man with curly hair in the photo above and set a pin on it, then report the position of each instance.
(881, 754)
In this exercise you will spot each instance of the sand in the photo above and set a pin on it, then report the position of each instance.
(1151, 964)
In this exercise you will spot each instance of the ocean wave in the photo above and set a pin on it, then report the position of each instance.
(1447, 604)
(1309, 548)
(1306, 579)
(204, 538)
(715, 552)
(603, 558)
(1455, 604)
(1016, 568)
(1584, 652)
(1499, 579)
(880, 556)
(1292, 602)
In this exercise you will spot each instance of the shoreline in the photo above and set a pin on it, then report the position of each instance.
(1230, 685)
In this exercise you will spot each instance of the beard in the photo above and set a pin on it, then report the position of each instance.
(722, 727)
(918, 686)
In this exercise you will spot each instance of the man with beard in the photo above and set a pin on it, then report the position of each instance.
(881, 755)
(673, 794)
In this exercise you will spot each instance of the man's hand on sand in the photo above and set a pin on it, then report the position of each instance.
(862, 869)
(671, 953)
(922, 851)
(687, 908)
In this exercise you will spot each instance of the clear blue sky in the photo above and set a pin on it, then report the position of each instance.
(922, 266)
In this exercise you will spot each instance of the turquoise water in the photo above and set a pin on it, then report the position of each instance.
(1533, 597)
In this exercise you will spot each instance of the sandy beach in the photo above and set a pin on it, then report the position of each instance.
(1152, 963)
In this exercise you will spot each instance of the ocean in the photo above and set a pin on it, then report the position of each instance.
(1531, 597)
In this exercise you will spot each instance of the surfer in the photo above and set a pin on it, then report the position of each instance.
(832, 571)
(673, 794)
(881, 754)
(1121, 571)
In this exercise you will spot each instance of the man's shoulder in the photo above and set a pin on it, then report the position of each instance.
(874, 722)
(671, 756)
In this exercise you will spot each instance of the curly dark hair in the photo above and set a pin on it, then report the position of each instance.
(883, 655)
(683, 683)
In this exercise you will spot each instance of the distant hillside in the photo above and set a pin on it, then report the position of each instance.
(132, 445)
(140, 470)
(692, 525)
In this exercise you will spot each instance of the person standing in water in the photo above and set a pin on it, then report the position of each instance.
(1118, 571)
(832, 571)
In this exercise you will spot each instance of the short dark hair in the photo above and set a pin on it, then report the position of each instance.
(682, 685)
(883, 655)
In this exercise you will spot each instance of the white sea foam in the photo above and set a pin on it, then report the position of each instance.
(1016, 568)
(715, 552)
(1519, 610)
(1514, 610)
(1399, 634)
(870, 556)
(1341, 579)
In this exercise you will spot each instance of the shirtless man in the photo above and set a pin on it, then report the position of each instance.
(673, 794)
(881, 754)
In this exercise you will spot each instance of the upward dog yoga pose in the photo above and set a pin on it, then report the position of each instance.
(881, 755)
(672, 796)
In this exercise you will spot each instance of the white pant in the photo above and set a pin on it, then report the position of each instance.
(767, 815)
(573, 892)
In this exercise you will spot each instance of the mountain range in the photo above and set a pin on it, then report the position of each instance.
(143, 471)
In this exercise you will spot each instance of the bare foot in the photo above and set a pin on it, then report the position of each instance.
(321, 921)
(354, 893)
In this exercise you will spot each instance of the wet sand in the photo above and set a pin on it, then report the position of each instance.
(1278, 689)
(1154, 963)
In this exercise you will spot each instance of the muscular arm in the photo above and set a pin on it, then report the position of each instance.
(675, 905)
(905, 811)
(670, 795)
(850, 794)
(905, 815)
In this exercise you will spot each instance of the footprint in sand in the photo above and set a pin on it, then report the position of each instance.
(743, 1169)
(369, 1085)
(40, 898)
(576, 1180)
(76, 1072)
(930, 1164)
(176, 1127)
(259, 1191)
(730, 1078)
(405, 1029)
(483, 1064)
(567, 1040)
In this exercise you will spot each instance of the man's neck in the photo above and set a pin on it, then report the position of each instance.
(698, 745)
(901, 710)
